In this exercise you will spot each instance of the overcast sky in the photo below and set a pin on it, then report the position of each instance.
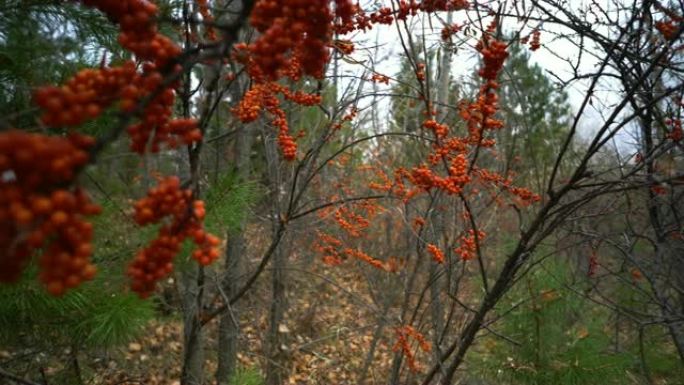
(553, 56)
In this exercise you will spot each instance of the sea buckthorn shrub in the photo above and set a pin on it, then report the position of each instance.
(41, 206)
(455, 168)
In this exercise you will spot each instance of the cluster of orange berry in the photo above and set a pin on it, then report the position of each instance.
(443, 5)
(593, 263)
(207, 18)
(535, 43)
(358, 20)
(352, 223)
(139, 33)
(37, 212)
(440, 130)
(84, 96)
(450, 30)
(380, 78)
(467, 247)
(384, 183)
(360, 255)
(287, 143)
(420, 72)
(447, 148)
(407, 8)
(667, 28)
(299, 97)
(382, 16)
(345, 47)
(436, 253)
(348, 117)
(185, 221)
(479, 115)
(675, 133)
(424, 177)
(525, 196)
(403, 333)
(328, 245)
(334, 254)
(263, 96)
(301, 28)
(353, 219)
(252, 103)
(494, 54)
(90, 91)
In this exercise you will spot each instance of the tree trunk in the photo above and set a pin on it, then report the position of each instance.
(275, 373)
(193, 349)
(229, 325)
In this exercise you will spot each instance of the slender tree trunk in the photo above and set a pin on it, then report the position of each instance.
(193, 349)
(275, 373)
(377, 335)
(229, 325)
(444, 77)
(408, 290)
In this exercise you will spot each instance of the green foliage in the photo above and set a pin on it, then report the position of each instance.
(247, 376)
(228, 201)
(660, 356)
(563, 339)
(56, 39)
(536, 114)
(407, 110)
(95, 315)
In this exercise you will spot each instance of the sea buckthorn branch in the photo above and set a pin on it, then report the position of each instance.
(38, 209)
(404, 346)
(476, 235)
(349, 219)
(480, 115)
(139, 35)
(264, 97)
(316, 170)
(185, 221)
(293, 43)
(83, 98)
(186, 59)
(336, 202)
(301, 49)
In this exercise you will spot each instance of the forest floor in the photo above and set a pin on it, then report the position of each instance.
(325, 337)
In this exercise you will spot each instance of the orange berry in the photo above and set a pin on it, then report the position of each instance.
(56, 288)
(59, 218)
(89, 272)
